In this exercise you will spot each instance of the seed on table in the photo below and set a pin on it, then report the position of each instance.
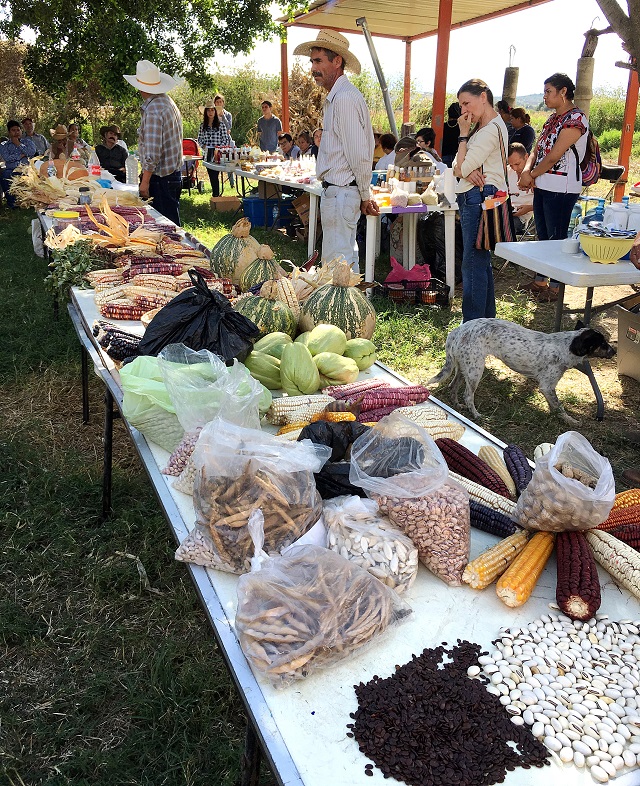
(599, 774)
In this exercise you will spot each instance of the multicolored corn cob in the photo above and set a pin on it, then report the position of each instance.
(578, 586)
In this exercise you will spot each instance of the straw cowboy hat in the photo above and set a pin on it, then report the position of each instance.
(334, 42)
(59, 133)
(149, 79)
(208, 105)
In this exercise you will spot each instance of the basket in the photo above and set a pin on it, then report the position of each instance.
(606, 250)
(416, 293)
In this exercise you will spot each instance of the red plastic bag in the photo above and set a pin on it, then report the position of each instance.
(398, 274)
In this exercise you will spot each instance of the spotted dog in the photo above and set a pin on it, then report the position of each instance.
(540, 356)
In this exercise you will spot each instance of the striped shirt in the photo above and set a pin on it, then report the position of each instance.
(214, 137)
(346, 152)
(160, 136)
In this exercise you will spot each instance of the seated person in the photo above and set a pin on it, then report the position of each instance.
(317, 136)
(523, 132)
(289, 150)
(521, 200)
(16, 151)
(111, 155)
(410, 154)
(425, 139)
(387, 143)
(378, 150)
(304, 143)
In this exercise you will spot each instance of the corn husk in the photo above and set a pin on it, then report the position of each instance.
(115, 235)
(305, 282)
(67, 237)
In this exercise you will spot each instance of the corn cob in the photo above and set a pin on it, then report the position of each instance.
(542, 449)
(374, 415)
(291, 436)
(117, 343)
(518, 466)
(149, 298)
(438, 429)
(395, 397)
(157, 265)
(285, 292)
(281, 409)
(354, 389)
(622, 516)
(627, 533)
(486, 568)
(157, 281)
(484, 495)
(111, 276)
(489, 520)
(291, 427)
(466, 463)
(113, 293)
(332, 417)
(516, 584)
(578, 586)
(121, 309)
(490, 454)
(627, 498)
(423, 414)
(617, 558)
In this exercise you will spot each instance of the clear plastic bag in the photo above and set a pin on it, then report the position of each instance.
(359, 533)
(239, 470)
(555, 501)
(308, 609)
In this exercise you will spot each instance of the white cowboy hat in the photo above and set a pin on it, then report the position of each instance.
(334, 42)
(149, 79)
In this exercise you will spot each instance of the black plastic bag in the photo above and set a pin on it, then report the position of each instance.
(430, 236)
(333, 481)
(393, 456)
(338, 436)
(201, 318)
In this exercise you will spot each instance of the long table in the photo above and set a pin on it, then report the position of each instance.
(302, 729)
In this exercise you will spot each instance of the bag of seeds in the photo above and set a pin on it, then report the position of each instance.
(308, 609)
(238, 470)
(358, 532)
(572, 488)
(412, 487)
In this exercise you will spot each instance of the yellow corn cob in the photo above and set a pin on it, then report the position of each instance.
(485, 495)
(422, 414)
(490, 454)
(287, 294)
(333, 417)
(371, 424)
(627, 498)
(291, 436)
(619, 560)
(282, 409)
(516, 584)
(291, 427)
(483, 570)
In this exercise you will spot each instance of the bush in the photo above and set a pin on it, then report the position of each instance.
(609, 140)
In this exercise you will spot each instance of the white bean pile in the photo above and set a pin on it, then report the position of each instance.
(576, 684)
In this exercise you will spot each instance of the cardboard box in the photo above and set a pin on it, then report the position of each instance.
(629, 340)
(225, 203)
(268, 190)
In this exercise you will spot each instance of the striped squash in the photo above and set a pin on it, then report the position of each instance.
(268, 313)
(226, 252)
(262, 268)
(339, 304)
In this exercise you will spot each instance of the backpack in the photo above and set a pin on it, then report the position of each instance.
(591, 164)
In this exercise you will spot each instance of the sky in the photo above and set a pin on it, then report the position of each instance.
(547, 38)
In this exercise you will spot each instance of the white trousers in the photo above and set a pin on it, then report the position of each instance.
(339, 211)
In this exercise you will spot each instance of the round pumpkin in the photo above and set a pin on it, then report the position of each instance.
(268, 313)
(339, 304)
(226, 252)
(74, 170)
(262, 268)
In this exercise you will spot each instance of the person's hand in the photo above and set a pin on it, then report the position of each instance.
(369, 207)
(634, 255)
(526, 182)
(522, 210)
(477, 178)
(464, 124)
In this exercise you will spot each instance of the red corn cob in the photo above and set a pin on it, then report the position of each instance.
(463, 461)
(622, 516)
(578, 586)
(397, 397)
(354, 389)
(627, 533)
(518, 466)
(374, 415)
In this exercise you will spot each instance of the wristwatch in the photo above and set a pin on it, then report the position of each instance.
(463, 139)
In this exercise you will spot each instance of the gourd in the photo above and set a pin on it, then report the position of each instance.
(341, 305)
(73, 169)
(226, 252)
(335, 370)
(326, 338)
(264, 368)
(262, 268)
(268, 313)
(273, 344)
(362, 351)
(298, 372)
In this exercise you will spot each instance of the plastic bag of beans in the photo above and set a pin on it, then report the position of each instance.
(413, 489)
(572, 488)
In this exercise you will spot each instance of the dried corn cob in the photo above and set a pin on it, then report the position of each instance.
(518, 466)
(466, 463)
(627, 533)
(157, 281)
(354, 389)
(149, 297)
(291, 427)
(112, 293)
(486, 568)
(490, 454)
(332, 416)
(438, 429)
(157, 265)
(516, 584)
(292, 436)
(489, 520)
(374, 415)
(578, 586)
(121, 309)
(542, 449)
(111, 276)
(394, 397)
(281, 410)
(618, 559)
(627, 498)
(117, 343)
(485, 495)
(622, 516)
(423, 414)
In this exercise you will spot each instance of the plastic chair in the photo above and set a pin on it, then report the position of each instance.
(191, 161)
(613, 174)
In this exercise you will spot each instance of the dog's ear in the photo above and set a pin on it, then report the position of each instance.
(586, 342)
(580, 324)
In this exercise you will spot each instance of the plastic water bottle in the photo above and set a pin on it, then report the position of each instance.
(625, 201)
(596, 213)
(576, 216)
(94, 164)
(275, 214)
(75, 155)
(131, 169)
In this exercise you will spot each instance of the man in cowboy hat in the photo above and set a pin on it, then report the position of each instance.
(345, 156)
(159, 139)
(111, 155)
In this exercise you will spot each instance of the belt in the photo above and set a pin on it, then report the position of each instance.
(326, 184)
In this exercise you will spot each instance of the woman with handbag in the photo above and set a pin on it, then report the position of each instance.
(481, 166)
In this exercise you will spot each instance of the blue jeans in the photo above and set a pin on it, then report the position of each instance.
(552, 214)
(4, 186)
(166, 195)
(478, 296)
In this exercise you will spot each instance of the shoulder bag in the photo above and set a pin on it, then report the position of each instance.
(496, 223)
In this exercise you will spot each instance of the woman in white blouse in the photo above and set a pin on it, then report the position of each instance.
(480, 165)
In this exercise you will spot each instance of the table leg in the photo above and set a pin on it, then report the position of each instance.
(370, 250)
(84, 373)
(588, 303)
(378, 238)
(450, 250)
(406, 240)
(251, 757)
(411, 229)
(313, 221)
(107, 460)
(585, 367)
(557, 325)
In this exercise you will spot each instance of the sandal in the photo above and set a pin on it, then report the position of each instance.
(533, 286)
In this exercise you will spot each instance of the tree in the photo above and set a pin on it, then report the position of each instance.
(94, 42)
(627, 27)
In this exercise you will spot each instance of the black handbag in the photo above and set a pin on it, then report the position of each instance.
(496, 223)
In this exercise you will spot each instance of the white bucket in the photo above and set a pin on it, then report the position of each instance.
(633, 219)
(616, 215)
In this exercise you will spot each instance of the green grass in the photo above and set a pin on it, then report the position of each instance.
(103, 681)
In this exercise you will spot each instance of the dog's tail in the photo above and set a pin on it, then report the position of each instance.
(446, 371)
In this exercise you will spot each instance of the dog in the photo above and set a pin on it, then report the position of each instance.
(540, 356)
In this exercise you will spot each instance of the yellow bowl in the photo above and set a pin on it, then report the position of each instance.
(606, 250)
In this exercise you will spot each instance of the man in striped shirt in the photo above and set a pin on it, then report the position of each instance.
(345, 156)
(159, 140)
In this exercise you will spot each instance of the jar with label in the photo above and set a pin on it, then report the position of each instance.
(85, 196)
(64, 218)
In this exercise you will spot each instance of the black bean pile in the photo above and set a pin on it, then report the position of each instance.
(431, 725)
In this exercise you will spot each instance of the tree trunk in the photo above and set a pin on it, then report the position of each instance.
(627, 27)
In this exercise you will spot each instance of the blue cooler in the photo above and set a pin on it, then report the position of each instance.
(261, 211)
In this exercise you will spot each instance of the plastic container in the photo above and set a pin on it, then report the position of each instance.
(605, 250)
(94, 165)
(258, 210)
(85, 196)
(65, 218)
(131, 170)
(576, 216)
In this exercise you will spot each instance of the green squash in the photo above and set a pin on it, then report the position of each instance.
(362, 351)
(298, 372)
(272, 344)
(263, 268)
(335, 370)
(339, 304)
(226, 252)
(326, 338)
(265, 369)
(268, 314)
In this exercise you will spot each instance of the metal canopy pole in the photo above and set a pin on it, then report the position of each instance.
(362, 22)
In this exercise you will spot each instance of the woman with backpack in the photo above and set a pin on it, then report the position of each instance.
(553, 171)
